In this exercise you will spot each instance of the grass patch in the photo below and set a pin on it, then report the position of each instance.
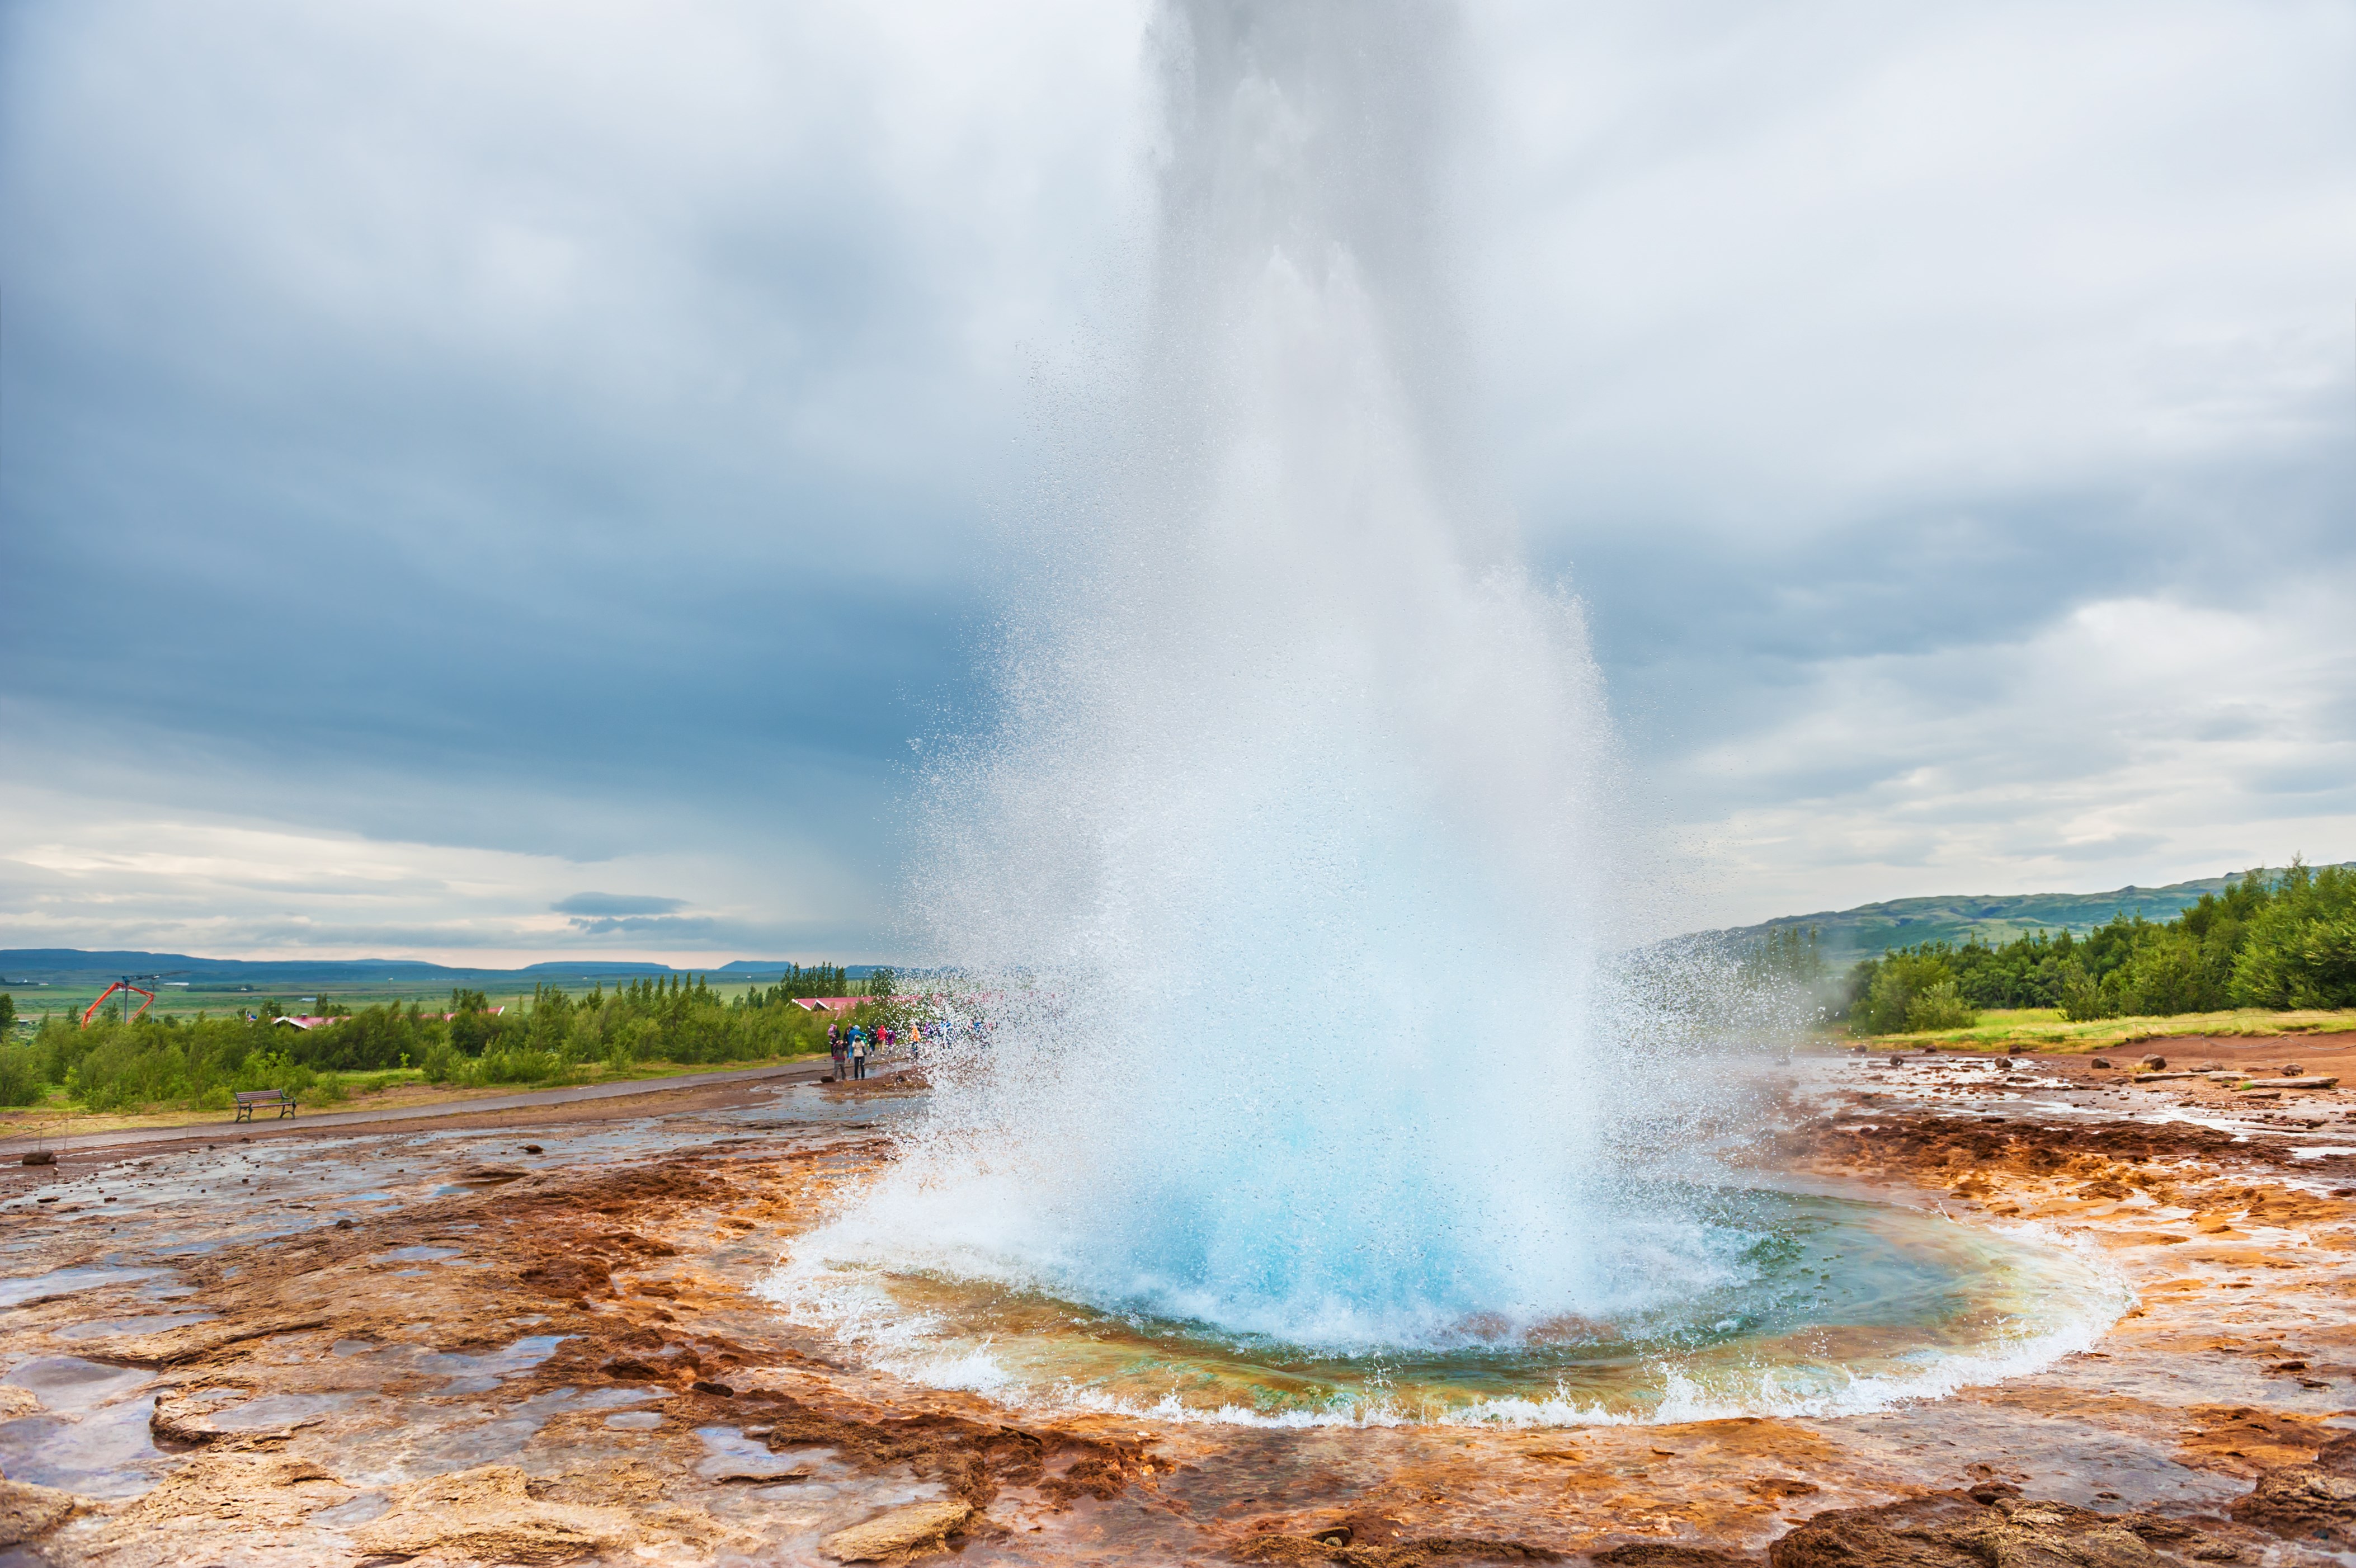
(2003, 1031)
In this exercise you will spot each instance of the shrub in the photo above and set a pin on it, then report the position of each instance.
(2299, 951)
(440, 1063)
(1891, 985)
(1939, 1006)
(20, 1077)
(2084, 999)
(521, 1065)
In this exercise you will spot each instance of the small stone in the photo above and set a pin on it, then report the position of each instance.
(904, 1530)
(2154, 1064)
(531, 1148)
(2292, 1069)
(41, 1157)
(2103, 1062)
(27, 1512)
(718, 1391)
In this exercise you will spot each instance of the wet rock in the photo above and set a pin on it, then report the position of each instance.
(41, 1157)
(2103, 1062)
(1989, 1525)
(2306, 1502)
(2154, 1064)
(531, 1148)
(1780, 1487)
(197, 1342)
(2316, 1082)
(489, 1175)
(29, 1512)
(901, 1533)
(2292, 1069)
(488, 1513)
(247, 1490)
(1433, 1548)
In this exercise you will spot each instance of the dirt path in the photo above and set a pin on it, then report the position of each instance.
(533, 1104)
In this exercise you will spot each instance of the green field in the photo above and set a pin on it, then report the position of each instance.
(222, 999)
(2026, 1029)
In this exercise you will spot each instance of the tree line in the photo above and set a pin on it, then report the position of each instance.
(115, 1065)
(2277, 940)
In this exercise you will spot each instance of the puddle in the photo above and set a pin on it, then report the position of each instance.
(66, 1282)
(480, 1373)
(105, 1454)
(70, 1383)
(730, 1456)
(360, 1510)
(275, 1412)
(107, 1327)
(505, 1435)
(419, 1254)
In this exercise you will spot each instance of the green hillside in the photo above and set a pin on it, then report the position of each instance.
(1849, 934)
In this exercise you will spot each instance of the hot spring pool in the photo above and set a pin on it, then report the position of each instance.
(1834, 1305)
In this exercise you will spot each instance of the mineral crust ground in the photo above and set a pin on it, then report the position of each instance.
(532, 1336)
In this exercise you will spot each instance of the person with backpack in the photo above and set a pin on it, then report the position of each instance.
(835, 1048)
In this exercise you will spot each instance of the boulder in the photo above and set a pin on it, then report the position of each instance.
(29, 1512)
(1987, 1526)
(490, 1513)
(2306, 1502)
(2154, 1064)
(903, 1532)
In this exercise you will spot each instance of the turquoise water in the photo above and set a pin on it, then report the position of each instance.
(1823, 1305)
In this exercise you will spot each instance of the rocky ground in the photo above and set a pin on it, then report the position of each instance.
(536, 1342)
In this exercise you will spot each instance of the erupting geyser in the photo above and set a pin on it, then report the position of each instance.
(1284, 872)
(1286, 880)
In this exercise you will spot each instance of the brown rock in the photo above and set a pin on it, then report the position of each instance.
(2154, 1064)
(41, 1157)
(1656, 1555)
(2306, 1502)
(1434, 1548)
(196, 1342)
(27, 1512)
(490, 1513)
(254, 1491)
(1986, 1526)
(900, 1534)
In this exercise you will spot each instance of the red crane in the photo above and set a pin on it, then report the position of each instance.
(126, 984)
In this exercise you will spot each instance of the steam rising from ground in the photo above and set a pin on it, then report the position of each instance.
(1283, 880)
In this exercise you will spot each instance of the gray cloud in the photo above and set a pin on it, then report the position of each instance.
(616, 904)
(587, 449)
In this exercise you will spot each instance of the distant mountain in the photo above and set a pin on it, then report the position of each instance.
(75, 966)
(1847, 935)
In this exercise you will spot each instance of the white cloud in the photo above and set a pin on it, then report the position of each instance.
(77, 872)
(557, 430)
(2134, 740)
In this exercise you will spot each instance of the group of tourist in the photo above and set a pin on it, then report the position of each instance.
(852, 1046)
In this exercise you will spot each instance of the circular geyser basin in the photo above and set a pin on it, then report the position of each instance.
(1838, 1306)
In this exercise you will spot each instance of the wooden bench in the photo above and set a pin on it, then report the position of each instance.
(248, 1098)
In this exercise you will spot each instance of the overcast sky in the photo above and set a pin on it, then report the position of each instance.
(487, 480)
